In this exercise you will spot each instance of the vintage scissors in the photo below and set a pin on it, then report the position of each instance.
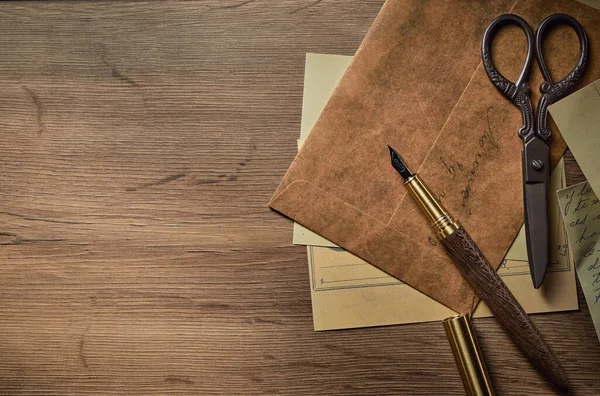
(535, 131)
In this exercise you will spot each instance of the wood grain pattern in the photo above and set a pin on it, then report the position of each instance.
(573, 173)
(505, 307)
(139, 145)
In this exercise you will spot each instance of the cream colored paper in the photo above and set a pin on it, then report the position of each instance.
(321, 75)
(581, 213)
(578, 118)
(348, 292)
(591, 3)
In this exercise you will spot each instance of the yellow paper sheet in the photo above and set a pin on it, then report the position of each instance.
(591, 3)
(581, 212)
(348, 292)
(578, 118)
(321, 75)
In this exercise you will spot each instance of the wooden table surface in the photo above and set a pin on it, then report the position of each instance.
(140, 144)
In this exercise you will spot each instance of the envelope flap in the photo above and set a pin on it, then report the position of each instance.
(388, 249)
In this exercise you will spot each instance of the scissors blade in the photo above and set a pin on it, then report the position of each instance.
(535, 192)
(536, 229)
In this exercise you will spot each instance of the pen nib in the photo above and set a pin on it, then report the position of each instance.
(399, 164)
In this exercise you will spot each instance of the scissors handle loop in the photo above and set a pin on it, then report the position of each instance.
(551, 91)
(517, 92)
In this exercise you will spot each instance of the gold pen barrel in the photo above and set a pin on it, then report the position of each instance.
(468, 356)
(442, 221)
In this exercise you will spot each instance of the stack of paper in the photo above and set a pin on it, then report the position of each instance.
(348, 292)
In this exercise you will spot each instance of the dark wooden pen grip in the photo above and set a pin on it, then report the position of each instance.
(507, 310)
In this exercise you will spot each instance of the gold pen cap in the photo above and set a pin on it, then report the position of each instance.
(468, 356)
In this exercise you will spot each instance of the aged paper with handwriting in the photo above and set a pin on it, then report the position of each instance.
(580, 209)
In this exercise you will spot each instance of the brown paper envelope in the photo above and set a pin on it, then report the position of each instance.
(416, 83)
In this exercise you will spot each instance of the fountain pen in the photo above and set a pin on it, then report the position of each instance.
(483, 279)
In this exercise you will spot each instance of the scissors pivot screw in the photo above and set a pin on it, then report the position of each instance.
(537, 164)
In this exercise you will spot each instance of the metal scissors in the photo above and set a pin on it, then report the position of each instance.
(535, 131)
